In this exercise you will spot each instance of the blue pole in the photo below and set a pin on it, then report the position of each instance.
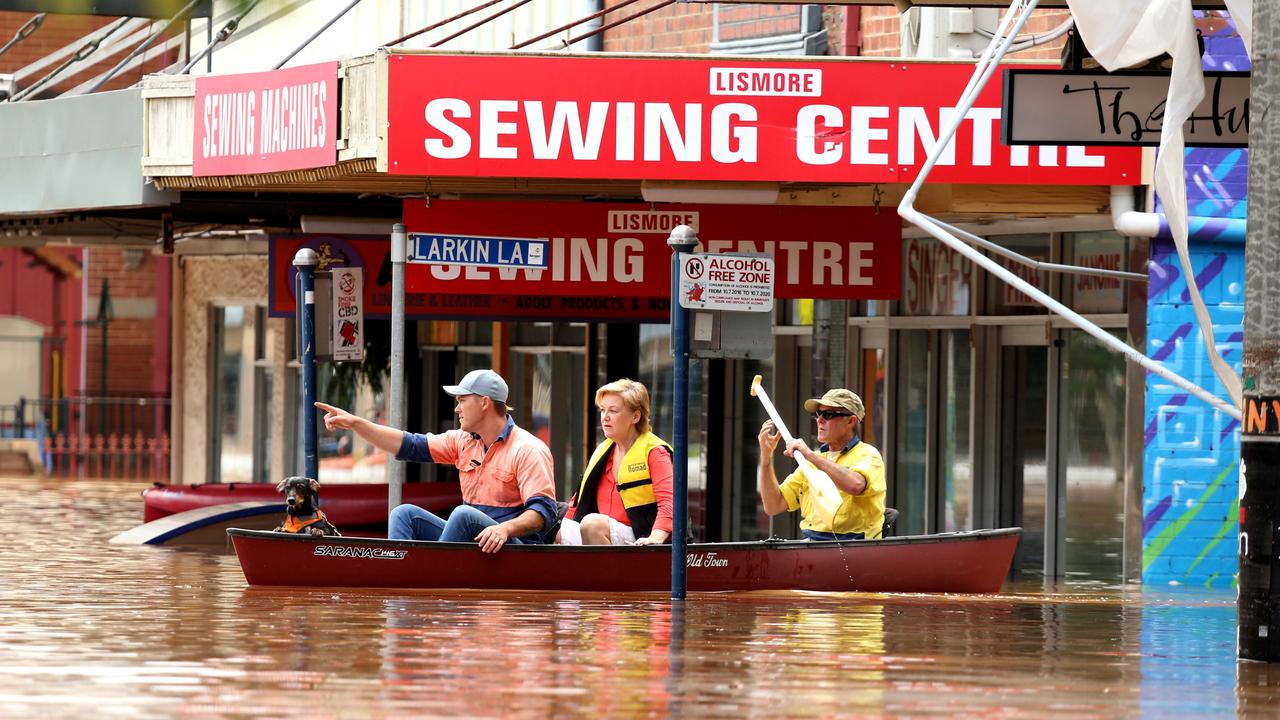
(306, 260)
(682, 240)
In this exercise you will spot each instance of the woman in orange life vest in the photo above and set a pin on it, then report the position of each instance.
(625, 495)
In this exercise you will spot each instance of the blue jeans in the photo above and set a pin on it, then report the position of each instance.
(410, 522)
(816, 535)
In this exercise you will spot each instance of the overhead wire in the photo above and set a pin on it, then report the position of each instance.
(226, 32)
(579, 21)
(142, 47)
(24, 32)
(84, 52)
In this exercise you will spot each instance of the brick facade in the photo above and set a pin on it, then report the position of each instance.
(59, 31)
(678, 28)
(137, 336)
(882, 27)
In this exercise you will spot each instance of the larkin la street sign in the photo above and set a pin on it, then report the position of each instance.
(473, 251)
(1053, 107)
(723, 281)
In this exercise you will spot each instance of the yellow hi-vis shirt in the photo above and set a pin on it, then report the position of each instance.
(858, 513)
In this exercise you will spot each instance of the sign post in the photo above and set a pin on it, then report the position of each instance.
(395, 474)
(682, 240)
(306, 261)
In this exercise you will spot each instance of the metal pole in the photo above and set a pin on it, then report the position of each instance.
(1258, 593)
(395, 475)
(682, 240)
(306, 261)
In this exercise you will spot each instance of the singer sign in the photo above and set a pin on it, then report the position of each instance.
(687, 119)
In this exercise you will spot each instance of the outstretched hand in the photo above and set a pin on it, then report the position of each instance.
(768, 439)
(337, 418)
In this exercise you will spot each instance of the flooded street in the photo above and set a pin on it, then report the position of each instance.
(96, 629)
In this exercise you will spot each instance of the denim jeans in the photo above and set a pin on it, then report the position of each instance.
(816, 535)
(410, 522)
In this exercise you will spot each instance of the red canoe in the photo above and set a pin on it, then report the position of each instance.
(968, 562)
(346, 504)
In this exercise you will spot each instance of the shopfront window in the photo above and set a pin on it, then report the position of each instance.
(1092, 441)
(1096, 293)
(656, 373)
(955, 468)
(937, 280)
(240, 390)
(1004, 299)
(911, 451)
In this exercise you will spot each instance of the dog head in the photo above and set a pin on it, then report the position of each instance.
(302, 495)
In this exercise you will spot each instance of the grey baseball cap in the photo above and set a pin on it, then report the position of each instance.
(480, 382)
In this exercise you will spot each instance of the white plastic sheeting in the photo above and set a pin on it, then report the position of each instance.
(1120, 33)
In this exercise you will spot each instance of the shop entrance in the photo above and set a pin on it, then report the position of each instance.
(1060, 463)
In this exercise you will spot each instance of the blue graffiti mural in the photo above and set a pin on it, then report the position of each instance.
(1192, 451)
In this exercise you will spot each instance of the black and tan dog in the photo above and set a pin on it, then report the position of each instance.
(302, 495)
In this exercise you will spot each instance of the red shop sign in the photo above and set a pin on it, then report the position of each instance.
(619, 250)
(374, 255)
(266, 122)
(833, 121)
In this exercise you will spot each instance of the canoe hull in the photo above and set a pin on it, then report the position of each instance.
(972, 562)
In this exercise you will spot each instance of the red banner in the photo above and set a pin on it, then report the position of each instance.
(619, 250)
(266, 122)
(724, 119)
(373, 254)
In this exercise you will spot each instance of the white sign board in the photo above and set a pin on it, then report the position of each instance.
(500, 252)
(348, 315)
(1059, 107)
(723, 281)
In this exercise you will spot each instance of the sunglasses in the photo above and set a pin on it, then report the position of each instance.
(830, 414)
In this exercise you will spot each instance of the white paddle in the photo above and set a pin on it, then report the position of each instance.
(826, 496)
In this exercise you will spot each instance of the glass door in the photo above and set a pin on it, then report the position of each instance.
(1023, 460)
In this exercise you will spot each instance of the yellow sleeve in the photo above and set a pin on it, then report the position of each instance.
(795, 485)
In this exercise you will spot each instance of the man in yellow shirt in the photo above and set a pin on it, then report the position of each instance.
(854, 466)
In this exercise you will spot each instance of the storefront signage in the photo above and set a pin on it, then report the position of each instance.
(1097, 293)
(266, 122)
(939, 280)
(1261, 415)
(619, 251)
(374, 255)
(1058, 106)
(348, 320)
(429, 249)
(711, 120)
(726, 282)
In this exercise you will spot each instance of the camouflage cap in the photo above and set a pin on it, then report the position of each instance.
(841, 398)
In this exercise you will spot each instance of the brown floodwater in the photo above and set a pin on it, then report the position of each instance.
(91, 629)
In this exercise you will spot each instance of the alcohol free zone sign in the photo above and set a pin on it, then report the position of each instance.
(722, 281)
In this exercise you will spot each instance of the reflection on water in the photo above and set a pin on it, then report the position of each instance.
(88, 627)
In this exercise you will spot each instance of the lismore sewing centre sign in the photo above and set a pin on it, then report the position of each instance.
(373, 254)
(833, 121)
(267, 121)
(613, 259)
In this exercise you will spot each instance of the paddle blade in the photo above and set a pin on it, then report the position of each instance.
(826, 496)
(755, 384)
